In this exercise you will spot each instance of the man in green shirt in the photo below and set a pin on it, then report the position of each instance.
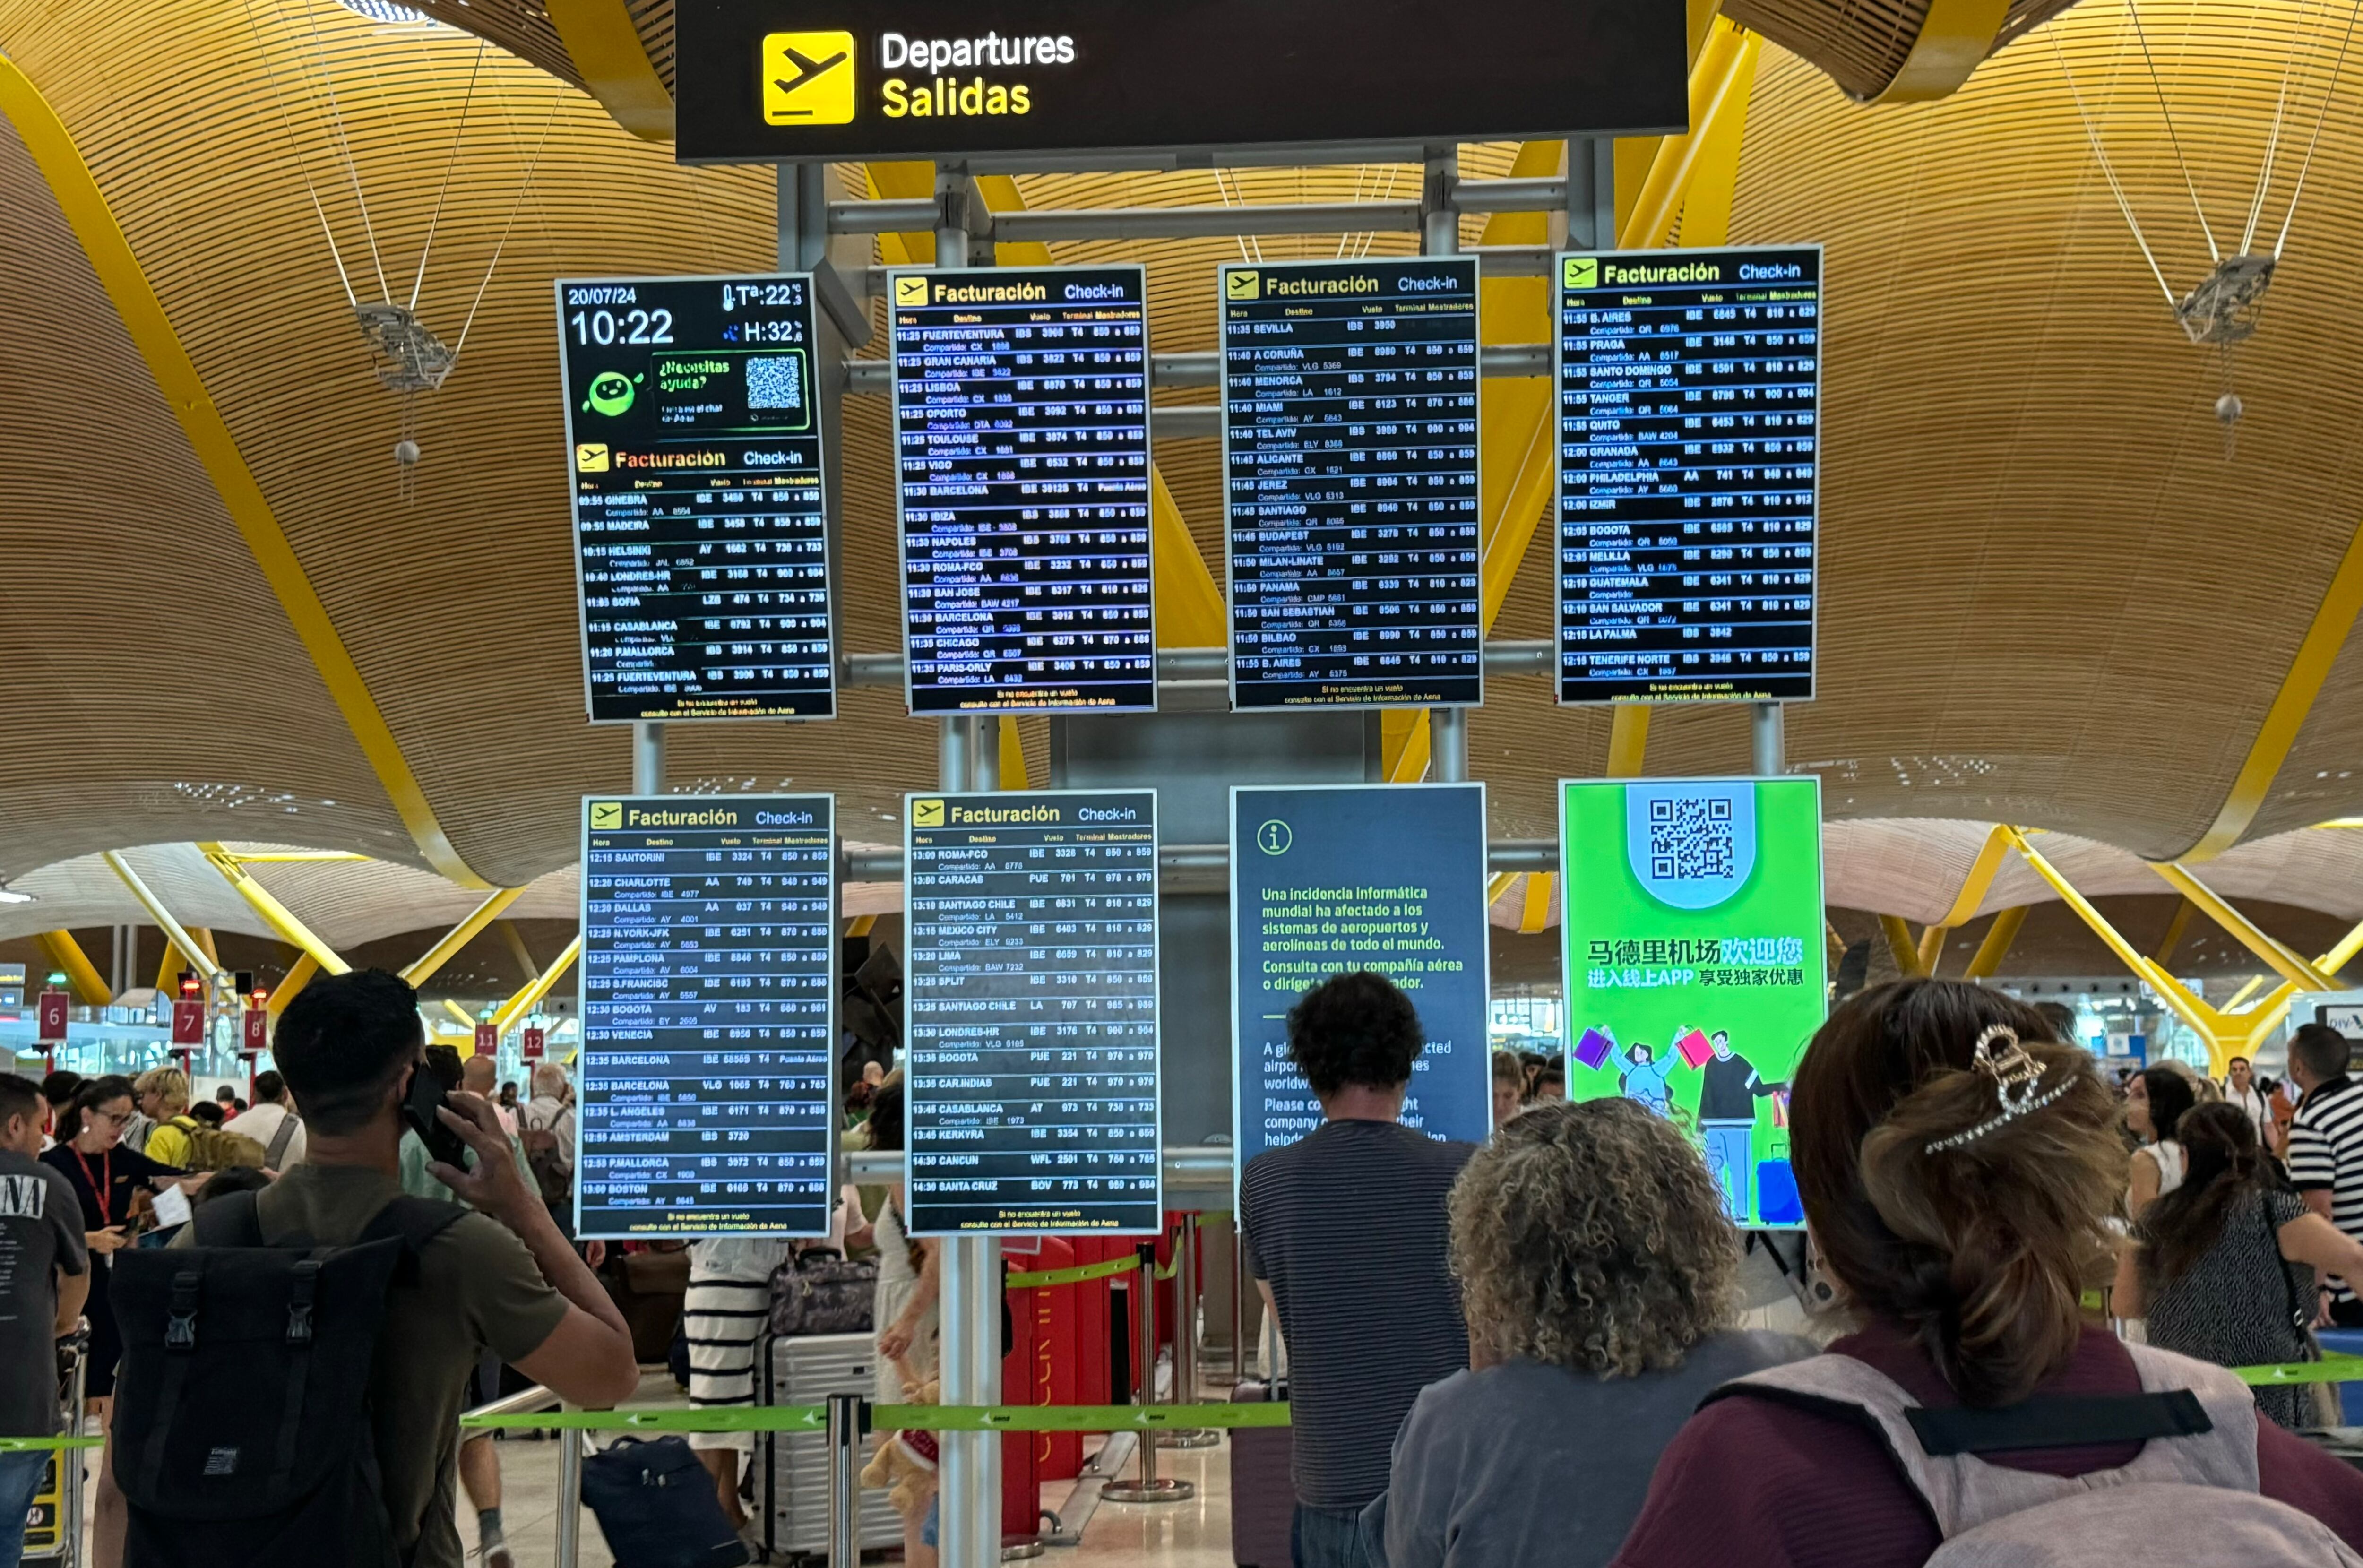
(501, 1280)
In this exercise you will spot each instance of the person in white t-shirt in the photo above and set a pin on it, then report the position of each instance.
(2241, 1089)
(273, 1122)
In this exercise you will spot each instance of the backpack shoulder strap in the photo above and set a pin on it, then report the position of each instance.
(2221, 1454)
(279, 1139)
(228, 1220)
(413, 1221)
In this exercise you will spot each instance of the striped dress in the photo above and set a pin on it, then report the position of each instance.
(730, 1299)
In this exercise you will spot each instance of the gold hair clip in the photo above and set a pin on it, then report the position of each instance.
(2016, 1076)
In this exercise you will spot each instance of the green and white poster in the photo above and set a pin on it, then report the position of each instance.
(1692, 922)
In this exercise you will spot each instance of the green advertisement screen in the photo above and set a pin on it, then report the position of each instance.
(1692, 923)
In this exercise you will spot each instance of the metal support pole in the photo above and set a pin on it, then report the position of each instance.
(1239, 1301)
(1448, 743)
(1591, 192)
(569, 1500)
(1768, 737)
(1149, 1487)
(1185, 1338)
(848, 1423)
(1439, 216)
(648, 756)
(951, 216)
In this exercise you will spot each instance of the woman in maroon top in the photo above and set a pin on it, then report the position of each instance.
(1962, 1267)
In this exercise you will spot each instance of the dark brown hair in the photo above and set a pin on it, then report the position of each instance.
(2220, 1143)
(1979, 1252)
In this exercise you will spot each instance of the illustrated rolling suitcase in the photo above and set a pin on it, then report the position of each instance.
(793, 1467)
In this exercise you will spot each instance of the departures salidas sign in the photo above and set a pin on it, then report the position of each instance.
(787, 79)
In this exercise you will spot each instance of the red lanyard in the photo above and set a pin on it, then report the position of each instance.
(104, 1189)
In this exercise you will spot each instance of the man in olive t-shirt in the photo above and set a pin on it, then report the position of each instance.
(501, 1280)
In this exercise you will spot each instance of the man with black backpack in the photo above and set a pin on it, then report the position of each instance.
(276, 1316)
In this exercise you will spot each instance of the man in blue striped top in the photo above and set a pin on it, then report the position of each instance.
(1346, 1234)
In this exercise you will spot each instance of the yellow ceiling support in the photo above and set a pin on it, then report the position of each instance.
(275, 915)
(466, 1018)
(1931, 950)
(200, 959)
(514, 939)
(2248, 988)
(419, 970)
(1628, 739)
(1720, 81)
(1900, 945)
(67, 954)
(524, 1001)
(1955, 39)
(1535, 915)
(1987, 961)
(1980, 881)
(295, 979)
(1013, 772)
(606, 49)
(861, 924)
(2175, 927)
(1497, 885)
(1402, 744)
(1836, 945)
(2282, 962)
(2307, 673)
(84, 205)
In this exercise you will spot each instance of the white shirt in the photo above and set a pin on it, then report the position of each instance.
(261, 1124)
(2260, 1109)
(546, 1111)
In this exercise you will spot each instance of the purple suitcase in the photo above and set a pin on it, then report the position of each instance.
(1263, 1497)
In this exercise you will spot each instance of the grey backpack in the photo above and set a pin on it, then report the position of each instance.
(2193, 1484)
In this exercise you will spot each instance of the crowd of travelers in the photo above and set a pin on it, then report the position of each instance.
(2034, 1277)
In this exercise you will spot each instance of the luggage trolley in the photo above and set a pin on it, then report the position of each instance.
(53, 1528)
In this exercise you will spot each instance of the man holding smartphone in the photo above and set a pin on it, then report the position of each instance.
(501, 1280)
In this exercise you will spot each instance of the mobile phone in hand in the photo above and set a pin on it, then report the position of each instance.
(429, 1088)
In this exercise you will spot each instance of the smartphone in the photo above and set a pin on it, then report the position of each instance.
(429, 1087)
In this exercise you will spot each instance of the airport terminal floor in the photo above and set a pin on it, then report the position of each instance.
(1313, 783)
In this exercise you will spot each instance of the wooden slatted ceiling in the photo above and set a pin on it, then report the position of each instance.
(149, 681)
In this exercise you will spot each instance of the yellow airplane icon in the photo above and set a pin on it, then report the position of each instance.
(926, 814)
(808, 78)
(910, 291)
(590, 457)
(1244, 284)
(607, 815)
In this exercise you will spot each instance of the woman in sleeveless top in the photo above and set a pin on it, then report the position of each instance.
(2155, 1101)
(905, 1313)
(2225, 1264)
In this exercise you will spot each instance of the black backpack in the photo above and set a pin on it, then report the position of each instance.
(244, 1366)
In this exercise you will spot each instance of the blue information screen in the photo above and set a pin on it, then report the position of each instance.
(1331, 879)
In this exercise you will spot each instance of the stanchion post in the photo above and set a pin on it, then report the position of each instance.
(569, 1550)
(1149, 1487)
(845, 1426)
(1185, 1338)
(1238, 1300)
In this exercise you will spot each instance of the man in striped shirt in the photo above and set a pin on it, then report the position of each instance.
(1346, 1234)
(2326, 1146)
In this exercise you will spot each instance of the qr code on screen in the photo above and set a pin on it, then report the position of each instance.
(1690, 839)
(775, 380)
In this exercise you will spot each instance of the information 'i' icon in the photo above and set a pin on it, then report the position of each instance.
(1273, 838)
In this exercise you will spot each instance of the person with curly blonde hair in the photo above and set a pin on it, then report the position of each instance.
(1598, 1276)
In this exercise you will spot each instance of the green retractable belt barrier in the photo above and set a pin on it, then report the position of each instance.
(22, 1445)
(925, 1417)
(1075, 1276)
(2329, 1369)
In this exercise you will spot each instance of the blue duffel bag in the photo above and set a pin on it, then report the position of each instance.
(656, 1505)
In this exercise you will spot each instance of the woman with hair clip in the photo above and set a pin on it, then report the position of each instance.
(2156, 1099)
(2225, 1264)
(1958, 1168)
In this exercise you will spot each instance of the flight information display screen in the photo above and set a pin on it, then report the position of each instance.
(700, 541)
(708, 1015)
(1350, 452)
(1688, 400)
(1032, 1011)
(1021, 430)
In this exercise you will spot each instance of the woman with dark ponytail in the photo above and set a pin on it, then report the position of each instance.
(2225, 1264)
(1960, 1167)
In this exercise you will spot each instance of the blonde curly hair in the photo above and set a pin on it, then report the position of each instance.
(1590, 1236)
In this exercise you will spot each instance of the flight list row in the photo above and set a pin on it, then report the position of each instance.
(1683, 435)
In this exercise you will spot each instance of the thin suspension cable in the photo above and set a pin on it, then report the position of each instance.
(2215, 252)
(2108, 173)
(450, 161)
(296, 153)
(557, 94)
(2329, 89)
(2272, 142)
(352, 172)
